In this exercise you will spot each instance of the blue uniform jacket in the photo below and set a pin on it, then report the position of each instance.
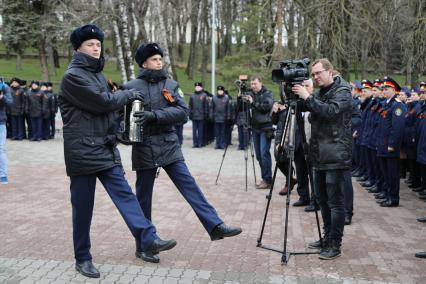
(369, 131)
(391, 128)
(364, 107)
(421, 135)
(375, 119)
(409, 142)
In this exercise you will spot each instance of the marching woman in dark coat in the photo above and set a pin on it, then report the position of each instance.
(164, 108)
(88, 111)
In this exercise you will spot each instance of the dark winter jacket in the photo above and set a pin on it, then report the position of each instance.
(88, 110)
(5, 102)
(220, 109)
(331, 136)
(18, 97)
(261, 109)
(198, 106)
(35, 103)
(160, 146)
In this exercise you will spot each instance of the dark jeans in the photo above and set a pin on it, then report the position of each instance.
(262, 145)
(329, 191)
(37, 127)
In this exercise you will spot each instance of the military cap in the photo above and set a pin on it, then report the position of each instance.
(199, 84)
(416, 89)
(422, 86)
(23, 82)
(35, 82)
(145, 51)
(86, 32)
(220, 88)
(366, 84)
(389, 82)
(49, 84)
(378, 83)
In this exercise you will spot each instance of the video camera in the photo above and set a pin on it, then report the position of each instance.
(291, 72)
(241, 84)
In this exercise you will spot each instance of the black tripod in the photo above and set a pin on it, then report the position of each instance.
(247, 137)
(289, 133)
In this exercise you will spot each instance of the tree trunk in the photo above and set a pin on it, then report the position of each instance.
(227, 24)
(43, 58)
(162, 35)
(51, 60)
(192, 59)
(278, 49)
(205, 41)
(130, 70)
(18, 61)
(290, 30)
(120, 57)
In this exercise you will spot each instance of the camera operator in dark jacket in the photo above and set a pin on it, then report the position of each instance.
(261, 101)
(88, 109)
(163, 108)
(330, 149)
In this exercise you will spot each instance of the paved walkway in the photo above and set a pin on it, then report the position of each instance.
(36, 242)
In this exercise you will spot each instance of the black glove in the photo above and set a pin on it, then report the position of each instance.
(135, 95)
(144, 117)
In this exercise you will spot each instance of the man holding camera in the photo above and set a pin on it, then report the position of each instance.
(330, 149)
(261, 101)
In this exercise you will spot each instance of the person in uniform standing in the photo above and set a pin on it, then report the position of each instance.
(17, 110)
(198, 110)
(389, 139)
(220, 115)
(89, 113)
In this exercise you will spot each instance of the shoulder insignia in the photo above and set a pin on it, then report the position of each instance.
(398, 111)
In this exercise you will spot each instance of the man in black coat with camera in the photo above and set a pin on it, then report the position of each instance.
(88, 109)
(330, 149)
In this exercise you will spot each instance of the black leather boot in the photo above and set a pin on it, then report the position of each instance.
(222, 231)
(87, 269)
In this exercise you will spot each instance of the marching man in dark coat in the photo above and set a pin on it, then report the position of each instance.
(164, 108)
(88, 111)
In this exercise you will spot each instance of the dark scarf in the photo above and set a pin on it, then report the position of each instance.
(152, 76)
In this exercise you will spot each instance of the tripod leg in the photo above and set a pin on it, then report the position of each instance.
(269, 197)
(252, 157)
(220, 168)
(316, 205)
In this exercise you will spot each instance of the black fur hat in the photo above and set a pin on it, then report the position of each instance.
(86, 32)
(145, 51)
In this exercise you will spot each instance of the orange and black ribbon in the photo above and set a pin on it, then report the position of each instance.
(168, 96)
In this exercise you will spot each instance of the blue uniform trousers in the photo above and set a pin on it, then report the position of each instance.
(355, 156)
(82, 200)
(46, 128)
(185, 183)
(18, 127)
(371, 159)
(197, 133)
(349, 194)
(37, 127)
(219, 131)
(390, 168)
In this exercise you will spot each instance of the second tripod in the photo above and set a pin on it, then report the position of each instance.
(287, 143)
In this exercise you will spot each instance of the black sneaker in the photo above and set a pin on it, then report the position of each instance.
(332, 252)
